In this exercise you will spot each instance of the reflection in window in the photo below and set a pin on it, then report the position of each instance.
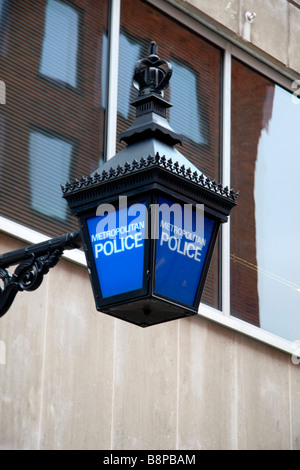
(140, 23)
(186, 119)
(4, 23)
(50, 159)
(277, 195)
(129, 53)
(2, 148)
(4, 9)
(60, 46)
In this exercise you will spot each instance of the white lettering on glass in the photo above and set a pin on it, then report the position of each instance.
(182, 247)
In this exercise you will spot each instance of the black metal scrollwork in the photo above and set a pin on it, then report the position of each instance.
(35, 261)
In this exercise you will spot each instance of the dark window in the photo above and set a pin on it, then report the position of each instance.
(53, 153)
(265, 255)
(5, 6)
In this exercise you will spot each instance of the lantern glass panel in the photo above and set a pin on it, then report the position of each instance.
(184, 236)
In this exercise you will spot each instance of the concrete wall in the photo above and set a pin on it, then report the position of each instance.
(71, 378)
(76, 379)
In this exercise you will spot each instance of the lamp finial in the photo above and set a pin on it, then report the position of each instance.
(152, 74)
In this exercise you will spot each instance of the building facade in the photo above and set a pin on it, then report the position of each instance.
(227, 378)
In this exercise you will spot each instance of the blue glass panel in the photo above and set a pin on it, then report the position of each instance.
(181, 250)
(118, 241)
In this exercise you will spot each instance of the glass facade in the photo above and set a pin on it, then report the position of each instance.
(265, 277)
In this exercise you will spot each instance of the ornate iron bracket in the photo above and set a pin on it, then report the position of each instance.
(33, 262)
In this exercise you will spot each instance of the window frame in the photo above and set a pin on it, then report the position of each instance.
(231, 49)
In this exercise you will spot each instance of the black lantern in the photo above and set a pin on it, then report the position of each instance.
(148, 217)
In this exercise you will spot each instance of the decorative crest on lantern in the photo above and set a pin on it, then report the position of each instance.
(149, 74)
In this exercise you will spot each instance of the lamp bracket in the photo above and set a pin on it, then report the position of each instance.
(33, 263)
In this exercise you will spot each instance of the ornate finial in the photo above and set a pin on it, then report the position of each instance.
(152, 74)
